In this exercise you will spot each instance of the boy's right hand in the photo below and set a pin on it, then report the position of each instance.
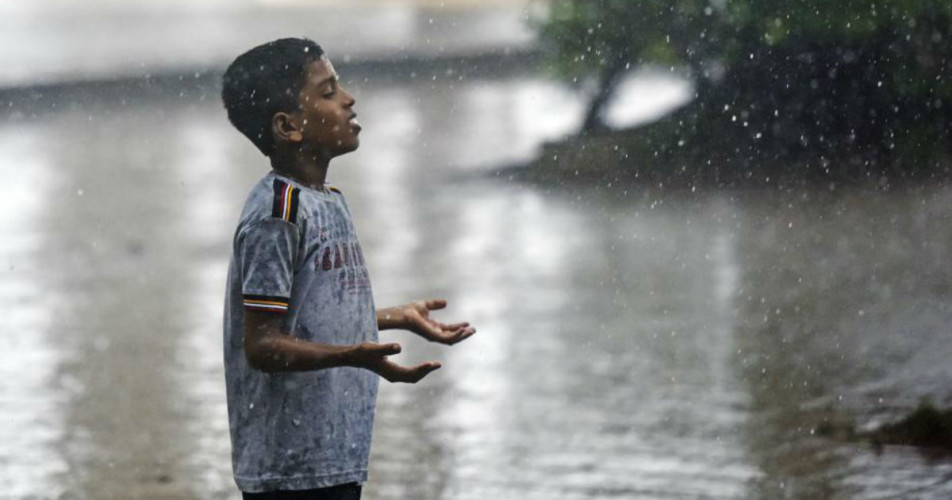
(373, 356)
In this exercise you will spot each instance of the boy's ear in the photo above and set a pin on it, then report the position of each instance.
(286, 127)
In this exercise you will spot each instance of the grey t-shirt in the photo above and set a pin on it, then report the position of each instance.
(296, 253)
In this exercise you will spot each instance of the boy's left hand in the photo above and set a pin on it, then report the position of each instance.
(415, 317)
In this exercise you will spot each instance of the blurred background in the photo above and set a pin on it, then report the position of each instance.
(705, 243)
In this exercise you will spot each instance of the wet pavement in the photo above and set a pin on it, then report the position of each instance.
(633, 343)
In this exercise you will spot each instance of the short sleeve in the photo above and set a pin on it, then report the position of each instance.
(267, 252)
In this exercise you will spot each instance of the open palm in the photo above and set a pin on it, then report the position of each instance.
(417, 317)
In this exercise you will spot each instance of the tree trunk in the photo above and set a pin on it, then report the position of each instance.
(594, 121)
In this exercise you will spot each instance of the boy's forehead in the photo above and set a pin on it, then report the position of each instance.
(320, 69)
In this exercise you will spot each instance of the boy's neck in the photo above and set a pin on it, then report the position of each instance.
(309, 171)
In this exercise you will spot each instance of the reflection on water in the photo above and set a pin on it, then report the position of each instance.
(204, 171)
(30, 395)
(632, 343)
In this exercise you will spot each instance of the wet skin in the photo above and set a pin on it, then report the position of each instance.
(323, 127)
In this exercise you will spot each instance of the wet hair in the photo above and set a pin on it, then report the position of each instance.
(263, 81)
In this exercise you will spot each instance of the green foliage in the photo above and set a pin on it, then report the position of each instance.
(591, 36)
(809, 76)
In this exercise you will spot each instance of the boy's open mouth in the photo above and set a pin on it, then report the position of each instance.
(354, 124)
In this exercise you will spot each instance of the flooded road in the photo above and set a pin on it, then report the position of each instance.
(632, 343)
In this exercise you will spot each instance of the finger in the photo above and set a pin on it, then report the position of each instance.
(384, 349)
(413, 374)
(450, 338)
(463, 334)
(417, 372)
(434, 304)
(427, 367)
(437, 328)
(454, 326)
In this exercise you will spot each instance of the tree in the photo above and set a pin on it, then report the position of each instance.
(866, 80)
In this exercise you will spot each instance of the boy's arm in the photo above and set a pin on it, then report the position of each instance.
(415, 316)
(269, 349)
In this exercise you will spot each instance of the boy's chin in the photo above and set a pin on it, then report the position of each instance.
(345, 147)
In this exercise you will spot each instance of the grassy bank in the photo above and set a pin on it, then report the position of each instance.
(690, 150)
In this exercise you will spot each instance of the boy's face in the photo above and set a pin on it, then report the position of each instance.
(328, 122)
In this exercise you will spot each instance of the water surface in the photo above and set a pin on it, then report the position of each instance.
(632, 343)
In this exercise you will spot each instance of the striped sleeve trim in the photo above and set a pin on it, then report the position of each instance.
(285, 205)
(265, 303)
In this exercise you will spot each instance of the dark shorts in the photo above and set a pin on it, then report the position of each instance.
(350, 491)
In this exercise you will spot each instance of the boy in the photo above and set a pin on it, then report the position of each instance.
(301, 351)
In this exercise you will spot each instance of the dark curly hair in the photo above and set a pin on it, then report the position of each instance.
(263, 81)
